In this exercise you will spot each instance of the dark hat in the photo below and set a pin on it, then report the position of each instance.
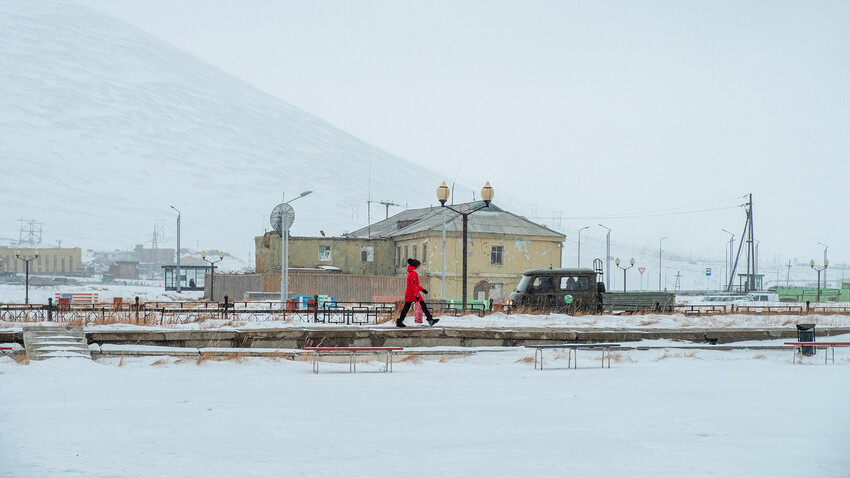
(414, 262)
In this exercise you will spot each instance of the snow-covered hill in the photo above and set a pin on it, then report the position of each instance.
(104, 127)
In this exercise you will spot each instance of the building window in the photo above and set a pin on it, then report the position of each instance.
(397, 256)
(367, 254)
(414, 252)
(405, 255)
(324, 253)
(424, 252)
(496, 256)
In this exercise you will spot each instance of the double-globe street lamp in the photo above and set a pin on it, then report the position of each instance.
(442, 196)
(632, 264)
(825, 265)
(212, 262)
(27, 259)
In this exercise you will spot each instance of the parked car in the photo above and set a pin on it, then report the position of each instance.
(559, 290)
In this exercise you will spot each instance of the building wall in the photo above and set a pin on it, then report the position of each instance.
(345, 287)
(345, 254)
(49, 261)
(496, 281)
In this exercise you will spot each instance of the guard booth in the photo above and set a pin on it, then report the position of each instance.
(191, 277)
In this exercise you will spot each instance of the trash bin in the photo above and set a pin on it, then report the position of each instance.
(806, 333)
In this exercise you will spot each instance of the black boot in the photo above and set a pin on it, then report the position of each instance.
(400, 323)
(433, 321)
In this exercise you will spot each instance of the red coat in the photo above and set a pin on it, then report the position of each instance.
(411, 293)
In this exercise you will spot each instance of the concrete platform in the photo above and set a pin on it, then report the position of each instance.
(348, 336)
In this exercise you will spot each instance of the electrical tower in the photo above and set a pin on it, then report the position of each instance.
(30, 232)
(746, 238)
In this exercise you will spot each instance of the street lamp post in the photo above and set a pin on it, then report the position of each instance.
(632, 264)
(729, 277)
(284, 251)
(607, 258)
(578, 262)
(178, 249)
(825, 247)
(443, 195)
(825, 265)
(660, 270)
(27, 259)
(212, 270)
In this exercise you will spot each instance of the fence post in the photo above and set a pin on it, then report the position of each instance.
(226, 301)
(137, 309)
(49, 309)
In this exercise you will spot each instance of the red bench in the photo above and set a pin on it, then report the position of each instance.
(84, 297)
(798, 348)
(316, 352)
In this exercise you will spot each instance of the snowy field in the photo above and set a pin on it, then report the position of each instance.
(653, 413)
(666, 411)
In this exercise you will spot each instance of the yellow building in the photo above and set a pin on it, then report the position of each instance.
(500, 246)
(50, 260)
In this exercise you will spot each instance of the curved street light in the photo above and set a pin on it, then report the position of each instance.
(178, 249)
(660, 270)
(284, 254)
(578, 262)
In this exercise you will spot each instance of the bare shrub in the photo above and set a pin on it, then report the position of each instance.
(160, 363)
(412, 359)
(618, 357)
(121, 362)
(759, 357)
(527, 359)
(646, 322)
(204, 357)
(22, 359)
(667, 355)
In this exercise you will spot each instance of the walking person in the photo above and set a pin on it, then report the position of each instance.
(413, 294)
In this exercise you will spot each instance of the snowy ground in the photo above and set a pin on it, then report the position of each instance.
(662, 412)
(653, 413)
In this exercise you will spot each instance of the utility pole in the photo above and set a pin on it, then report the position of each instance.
(788, 277)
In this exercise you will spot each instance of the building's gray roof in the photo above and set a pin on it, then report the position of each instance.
(487, 220)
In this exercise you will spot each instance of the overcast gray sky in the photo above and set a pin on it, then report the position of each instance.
(586, 111)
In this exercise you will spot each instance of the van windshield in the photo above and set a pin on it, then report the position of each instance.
(523, 283)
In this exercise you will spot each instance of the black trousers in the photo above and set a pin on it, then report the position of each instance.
(406, 308)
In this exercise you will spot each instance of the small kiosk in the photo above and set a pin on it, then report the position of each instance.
(191, 277)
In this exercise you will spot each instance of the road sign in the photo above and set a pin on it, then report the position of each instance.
(641, 269)
(708, 271)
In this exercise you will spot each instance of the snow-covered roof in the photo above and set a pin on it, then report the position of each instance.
(485, 220)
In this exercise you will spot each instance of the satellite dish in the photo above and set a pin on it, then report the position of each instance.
(282, 215)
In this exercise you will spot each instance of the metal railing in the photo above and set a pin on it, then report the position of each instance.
(166, 313)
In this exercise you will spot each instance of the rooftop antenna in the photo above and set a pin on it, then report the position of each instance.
(455, 179)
